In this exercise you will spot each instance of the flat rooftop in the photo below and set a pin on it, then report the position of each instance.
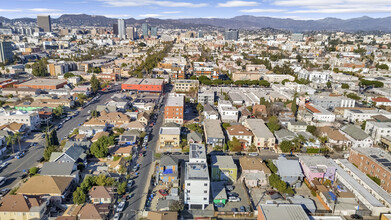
(379, 155)
(197, 151)
(197, 171)
(175, 100)
(137, 81)
(43, 82)
(170, 130)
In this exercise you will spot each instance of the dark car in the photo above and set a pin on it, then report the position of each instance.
(40, 160)
(4, 191)
(233, 194)
(356, 216)
(234, 210)
(239, 154)
(177, 153)
(219, 205)
(242, 208)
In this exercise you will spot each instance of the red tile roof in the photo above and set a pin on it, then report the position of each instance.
(380, 99)
(311, 108)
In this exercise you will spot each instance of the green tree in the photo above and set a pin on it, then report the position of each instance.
(95, 114)
(10, 139)
(273, 124)
(235, 145)
(79, 197)
(344, 86)
(103, 180)
(95, 84)
(311, 129)
(226, 125)
(294, 106)
(286, 146)
(271, 166)
(39, 68)
(353, 96)
(48, 151)
(33, 171)
(364, 123)
(100, 148)
(328, 84)
(59, 110)
(121, 188)
(200, 108)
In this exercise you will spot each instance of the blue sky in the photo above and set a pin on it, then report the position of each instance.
(296, 9)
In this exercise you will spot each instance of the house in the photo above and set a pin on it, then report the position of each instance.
(297, 126)
(284, 135)
(289, 171)
(213, 133)
(254, 172)
(90, 212)
(114, 118)
(259, 111)
(20, 207)
(263, 138)
(57, 187)
(125, 151)
(129, 137)
(223, 168)
(377, 130)
(168, 169)
(134, 125)
(335, 137)
(99, 135)
(228, 113)
(169, 138)
(162, 215)
(319, 114)
(60, 169)
(143, 117)
(74, 154)
(194, 137)
(101, 195)
(357, 136)
(380, 101)
(116, 165)
(210, 112)
(240, 132)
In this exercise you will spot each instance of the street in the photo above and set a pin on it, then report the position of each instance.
(137, 202)
(14, 171)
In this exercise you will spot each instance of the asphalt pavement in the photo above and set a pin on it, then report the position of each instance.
(14, 171)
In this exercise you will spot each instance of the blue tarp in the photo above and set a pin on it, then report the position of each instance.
(333, 196)
(168, 171)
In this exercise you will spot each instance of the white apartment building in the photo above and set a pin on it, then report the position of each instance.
(319, 114)
(29, 118)
(331, 102)
(228, 113)
(315, 76)
(377, 130)
(357, 137)
(197, 181)
(360, 115)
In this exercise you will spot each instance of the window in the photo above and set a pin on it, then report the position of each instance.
(188, 184)
(205, 184)
(205, 198)
(205, 191)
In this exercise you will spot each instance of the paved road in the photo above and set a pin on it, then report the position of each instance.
(138, 190)
(14, 171)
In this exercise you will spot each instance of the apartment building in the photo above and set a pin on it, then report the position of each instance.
(197, 181)
(29, 118)
(207, 69)
(228, 113)
(21, 207)
(143, 85)
(214, 134)
(186, 85)
(263, 137)
(360, 115)
(207, 97)
(56, 69)
(374, 162)
(174, 108)
(357, 137)
(332, 102)
(319, 114)
(377, 130)
(169, 138)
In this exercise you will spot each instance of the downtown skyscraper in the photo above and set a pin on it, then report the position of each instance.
(44, 22)
(121, 29)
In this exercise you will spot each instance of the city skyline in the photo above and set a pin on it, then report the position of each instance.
(300, 10)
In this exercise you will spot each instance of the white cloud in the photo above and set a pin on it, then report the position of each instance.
(117, 15)
(135, 3)
(172, 12)
(10, 10)
(44, 10)
(263, 10)
(230, 4)
(344, 10)
(150, 15)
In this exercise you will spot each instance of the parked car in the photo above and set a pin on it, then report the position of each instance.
(121, 206)
(229, 187)
(219, 205)
(177, 153)
(234, 210)
(253, 154)
(242, 208)
(356, 216)
(4, 191)
(4, 165)
(117, 216)
(130, 183)
(234, 194)
(163, 192)
(233, 199)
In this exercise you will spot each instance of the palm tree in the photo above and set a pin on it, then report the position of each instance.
(18, 137)
(11, 140)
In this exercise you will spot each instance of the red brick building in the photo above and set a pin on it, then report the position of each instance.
(374, 162)
(143, 85)
(173, 110)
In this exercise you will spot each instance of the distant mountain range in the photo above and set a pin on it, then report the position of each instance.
(240, 22)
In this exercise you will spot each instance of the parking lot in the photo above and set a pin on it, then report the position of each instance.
(235, 206)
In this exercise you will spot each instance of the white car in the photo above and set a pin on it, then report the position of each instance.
(233, 199)
(130, 183)
(121, 206)
(117, 216)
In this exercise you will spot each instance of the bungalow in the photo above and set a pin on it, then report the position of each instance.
(243, 134)
(289, 171)
(101, 195)
(194, 138)
(223, 169)
(254, 172)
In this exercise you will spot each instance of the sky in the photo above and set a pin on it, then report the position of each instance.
(164, 9)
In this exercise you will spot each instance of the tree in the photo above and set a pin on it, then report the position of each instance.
(59, 110)
(100, 148)
(18, 137)
(33, 171)
(311, 129)
(79, 197)
(235, 145)
(353, 96)
(294, 106)
(364, 123)
(103, 180)
(226, 125)
(286, 146)
(200, 108)
(95, 114)
(344, 86)
(39, 68)
(328, 84)
(273, 124)
(121, 188)
(95, 84)
(52, 139)
(48, 151)
(11, 141)
(271, 166)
